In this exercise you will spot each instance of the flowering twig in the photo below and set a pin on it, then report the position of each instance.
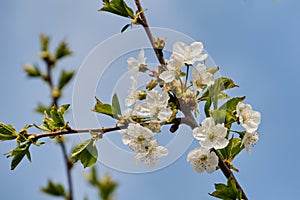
(189, 118)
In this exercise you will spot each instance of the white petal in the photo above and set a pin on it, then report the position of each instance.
(165, 114)
(167, 76)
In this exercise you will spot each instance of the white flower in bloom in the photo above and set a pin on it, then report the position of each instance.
(201, 77)
(211, 135)
(202, 159)
(248, 118)
(173, 70)
(151, 155)
(250, 139)
(134, 65)
(156, 106)
(133, 95)
(137, 137)
(188, 54)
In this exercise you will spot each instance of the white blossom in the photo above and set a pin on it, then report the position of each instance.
(134, 65)
(188, 54)
(203, 160)
(152, 154)
(201, 77)
(248, 118)
(133, 95)
(137, 137)
(174, 68)
(156, 105)
(211, 135)
(250, 139)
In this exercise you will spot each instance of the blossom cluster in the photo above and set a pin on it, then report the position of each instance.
(147, 110)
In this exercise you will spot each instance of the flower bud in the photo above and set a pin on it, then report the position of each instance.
(31, 71)
(56, 92)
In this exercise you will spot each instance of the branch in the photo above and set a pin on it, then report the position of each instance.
(68, 162)
(190, 120)
(144, 23)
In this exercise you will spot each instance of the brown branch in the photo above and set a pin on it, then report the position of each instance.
(144, 23)
(68, 162)
(189, 118)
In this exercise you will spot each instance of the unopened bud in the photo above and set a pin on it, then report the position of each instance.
(32, 71)
(152, 84)
(56, 92)
(142, 95)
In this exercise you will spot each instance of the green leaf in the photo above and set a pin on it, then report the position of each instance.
(44, 40)
(116, 109)
(118, 7)
(230, 107)
(218, 115)
(227, 192)
(86, 152)
(207, 106)
(18, 154)
(102, 108)
(54, 189)
(63, 109)
(65, 78)
(62, 50)
(57, 117)
(7, 132)
(233, 148)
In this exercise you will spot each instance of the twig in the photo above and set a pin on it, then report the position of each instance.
(68, 163)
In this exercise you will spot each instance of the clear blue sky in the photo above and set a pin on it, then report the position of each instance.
(256, 42)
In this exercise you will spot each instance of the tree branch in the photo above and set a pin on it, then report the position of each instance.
(68, 162)
(190, 120)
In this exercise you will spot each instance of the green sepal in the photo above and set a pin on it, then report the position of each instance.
(102, 108)
(62, 50)
(227, 191)
(18, 154)
(116, 109)
(64, 79)
(86, 152)
(118, 7)
(7, 132)
(54, 189)
(233, 148)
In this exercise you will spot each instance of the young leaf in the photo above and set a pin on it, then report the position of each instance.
(7, 132)
(102, 108)
(233, 148)
(116, 109)
(62, 50)
(18, 154)
(57, 117)
(65, 78)
(227, 192)
(54, 189)
(86, 152)
(118, 7)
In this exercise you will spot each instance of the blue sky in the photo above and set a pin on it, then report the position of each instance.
(255, 42)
